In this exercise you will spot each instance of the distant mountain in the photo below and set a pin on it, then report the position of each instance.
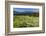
(25, 12)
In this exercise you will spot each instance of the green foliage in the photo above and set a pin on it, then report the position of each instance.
(25, 21)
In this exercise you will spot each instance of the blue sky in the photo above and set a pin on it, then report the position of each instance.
(26, 9)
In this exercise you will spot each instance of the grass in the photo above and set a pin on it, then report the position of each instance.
(25, 21)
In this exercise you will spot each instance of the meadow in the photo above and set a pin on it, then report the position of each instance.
(20, 21)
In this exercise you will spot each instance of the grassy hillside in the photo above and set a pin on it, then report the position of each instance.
(25, 21)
